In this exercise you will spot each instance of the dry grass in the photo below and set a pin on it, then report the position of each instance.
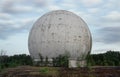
(31, 71)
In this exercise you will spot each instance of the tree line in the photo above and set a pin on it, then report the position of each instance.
(110, 58)
(16, 60)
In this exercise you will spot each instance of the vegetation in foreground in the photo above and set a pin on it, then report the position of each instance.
(32, 71)
(110, 58)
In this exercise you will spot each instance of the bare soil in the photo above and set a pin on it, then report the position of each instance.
(31, 71)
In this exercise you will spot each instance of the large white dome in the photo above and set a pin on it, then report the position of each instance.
(58, 32)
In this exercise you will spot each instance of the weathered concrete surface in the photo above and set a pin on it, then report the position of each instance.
(60, 32)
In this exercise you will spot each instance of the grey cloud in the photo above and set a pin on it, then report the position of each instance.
(112, 17)
(8, 24)
(19, 7)
(10, 8)
(109, 35)
(5, 16)
(9, 29)
(112, 20)
(112, 4)
(26, 24)
(5, 33)
(40, 3)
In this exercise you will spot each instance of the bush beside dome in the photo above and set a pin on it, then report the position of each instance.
(60, 32)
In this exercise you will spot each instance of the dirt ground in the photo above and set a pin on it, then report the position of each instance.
(30, 71)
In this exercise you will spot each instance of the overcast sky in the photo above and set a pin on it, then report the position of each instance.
(18, 16)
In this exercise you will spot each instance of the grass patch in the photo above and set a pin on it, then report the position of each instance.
(49, 71)
(44, 70)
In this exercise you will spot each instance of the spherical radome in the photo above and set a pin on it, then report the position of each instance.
(59, 32)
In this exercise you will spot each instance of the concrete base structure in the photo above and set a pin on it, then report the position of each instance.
(76, 63)
(43, 63)
(71, 64)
